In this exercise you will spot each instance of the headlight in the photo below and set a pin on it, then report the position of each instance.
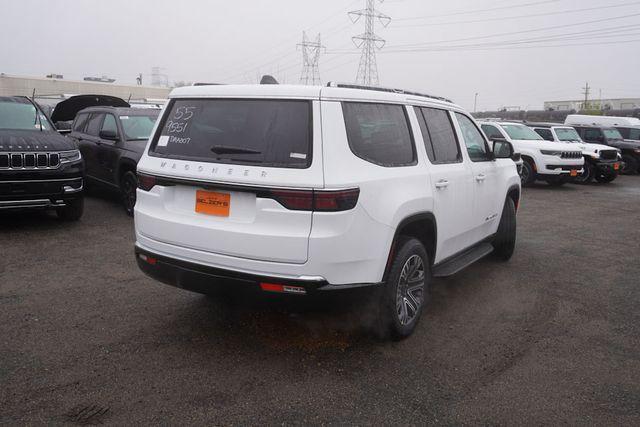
(70, 156)
(551, 153)
(637, 150)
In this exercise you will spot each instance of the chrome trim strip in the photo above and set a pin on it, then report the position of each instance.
(26, 181)
(37, 203)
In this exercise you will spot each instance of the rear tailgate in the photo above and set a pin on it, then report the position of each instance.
(221, 172)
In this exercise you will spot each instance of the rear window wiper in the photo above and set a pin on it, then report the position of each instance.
(225, 149)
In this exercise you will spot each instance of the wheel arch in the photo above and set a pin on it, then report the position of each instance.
(514, 193)
(530, 160)
(423, 226)
(126, 165)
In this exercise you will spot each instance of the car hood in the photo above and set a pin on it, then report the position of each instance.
(67, 109)
(546, 145)
(33, 140)
(588, 147)
(627, 143)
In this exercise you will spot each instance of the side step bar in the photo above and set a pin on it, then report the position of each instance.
(463, 260)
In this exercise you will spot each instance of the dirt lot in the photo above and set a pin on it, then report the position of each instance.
(551, 337)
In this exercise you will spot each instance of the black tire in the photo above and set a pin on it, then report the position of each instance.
(605, 178)
(128, 186)
(587, 175)
(72, 211)
(504, 243)
(528, 175)
(400, 305)
(630, 165)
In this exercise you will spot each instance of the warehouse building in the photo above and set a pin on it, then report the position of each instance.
(57, 88)
(604, 104)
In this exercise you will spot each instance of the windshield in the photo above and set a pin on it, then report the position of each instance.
(272, 133)
(612, 134)
(568, 134)
(523, 133)
(20, 114)
(137, 127)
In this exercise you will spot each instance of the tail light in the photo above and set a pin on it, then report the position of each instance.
(146, 182)
(314, 200)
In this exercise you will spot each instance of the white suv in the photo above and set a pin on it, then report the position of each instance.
(552, 162)
(601, 162)
(296, 189)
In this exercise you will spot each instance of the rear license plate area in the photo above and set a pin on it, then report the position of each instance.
(213, 203)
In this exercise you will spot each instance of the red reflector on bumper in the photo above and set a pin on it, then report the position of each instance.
(272, 287)
(148, 259)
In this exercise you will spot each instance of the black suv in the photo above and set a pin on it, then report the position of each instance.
(39, 168)
(612, 137)
(112, 140)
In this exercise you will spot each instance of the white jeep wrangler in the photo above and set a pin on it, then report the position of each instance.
(296, 189)
(555, 163)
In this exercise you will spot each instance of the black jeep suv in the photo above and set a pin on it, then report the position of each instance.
(112, 140)
(612, 137)
(39, 168)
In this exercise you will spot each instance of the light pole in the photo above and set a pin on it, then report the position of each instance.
(475, 103)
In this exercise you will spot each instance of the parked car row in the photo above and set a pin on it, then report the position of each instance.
(581, 150)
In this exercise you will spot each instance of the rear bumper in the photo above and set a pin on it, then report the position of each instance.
(201, 278)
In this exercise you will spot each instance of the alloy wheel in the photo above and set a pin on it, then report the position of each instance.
(410, 290)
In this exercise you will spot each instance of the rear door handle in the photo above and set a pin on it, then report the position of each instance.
(443, 183)
(481, 177)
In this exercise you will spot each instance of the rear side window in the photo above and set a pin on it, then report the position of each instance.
(491, 131)
(439, 136)
(93, 126)
(80, 123)
(379, 133)
(592, 134)
(269, 133)
(109, 124)
(545, 133)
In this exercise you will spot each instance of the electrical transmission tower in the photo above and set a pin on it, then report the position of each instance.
(369, 42)
(310, 60)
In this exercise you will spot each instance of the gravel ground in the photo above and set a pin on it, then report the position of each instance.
(551, 337)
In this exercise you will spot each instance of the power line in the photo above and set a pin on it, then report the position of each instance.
(468, 12)
(285, 50)
(581, 35)
(530, 15)
(535, 30)
(369, 42)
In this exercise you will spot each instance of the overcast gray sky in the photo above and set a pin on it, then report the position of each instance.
(513, 53)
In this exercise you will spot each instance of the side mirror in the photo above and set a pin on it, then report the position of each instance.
(502, 149)
(110, 135)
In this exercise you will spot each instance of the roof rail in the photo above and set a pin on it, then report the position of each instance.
(386, 89)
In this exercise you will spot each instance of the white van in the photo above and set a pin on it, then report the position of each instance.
(608, 121)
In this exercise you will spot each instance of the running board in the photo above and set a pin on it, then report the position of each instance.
(462, 261)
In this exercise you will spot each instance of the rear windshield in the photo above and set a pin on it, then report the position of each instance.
(270, 133)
